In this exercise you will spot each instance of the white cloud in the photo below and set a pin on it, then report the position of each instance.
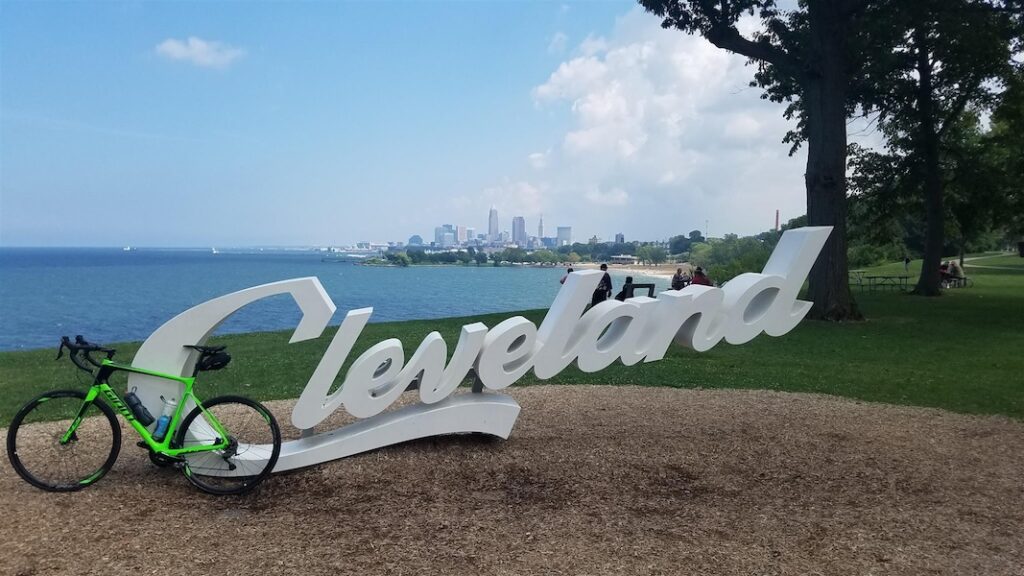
(539, 160)
(510, 198)
(592, 45)
(613, 197)
(203, 53)
(742, 127)
(558, 43)
(670, 118)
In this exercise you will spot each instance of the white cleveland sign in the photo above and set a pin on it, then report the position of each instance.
(639, 329)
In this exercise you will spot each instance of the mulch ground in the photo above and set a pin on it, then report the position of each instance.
(594, 480)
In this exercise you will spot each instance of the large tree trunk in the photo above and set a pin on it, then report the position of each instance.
(928, 284)
(825, 89)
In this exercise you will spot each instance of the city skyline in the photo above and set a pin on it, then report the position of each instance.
(249, 125)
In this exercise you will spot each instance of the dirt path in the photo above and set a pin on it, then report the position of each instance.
(594, 480)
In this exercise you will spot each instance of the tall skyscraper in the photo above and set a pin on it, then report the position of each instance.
(619, 238)
(440, 231)
(492, 225)
(519, 230)
(564, 235)
(460, 234)
(540, 227)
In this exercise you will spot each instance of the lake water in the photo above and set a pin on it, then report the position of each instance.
(112, 295)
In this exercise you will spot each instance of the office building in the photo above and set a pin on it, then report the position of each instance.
(492, 225)
(519, 230)
(564, 235)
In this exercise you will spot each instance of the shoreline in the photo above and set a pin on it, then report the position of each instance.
(664, 271)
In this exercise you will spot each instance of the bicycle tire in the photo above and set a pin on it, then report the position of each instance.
(22, 440)
(230, 472)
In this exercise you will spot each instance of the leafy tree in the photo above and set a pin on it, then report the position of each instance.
(1004, 147)
(696, 236)
(679, 244)
(545, 257)
(643, 254)
(573, 257)
(480, 257)
(700, 253)
(948, 57)
(657, 254)
(416, 256)
(515, 255)
(804, 57)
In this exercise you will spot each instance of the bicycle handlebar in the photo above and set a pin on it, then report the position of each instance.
(81, 349)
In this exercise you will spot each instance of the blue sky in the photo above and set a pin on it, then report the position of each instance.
(232, 124)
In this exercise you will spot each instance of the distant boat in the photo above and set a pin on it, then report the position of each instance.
(127, 249)
(214, 250)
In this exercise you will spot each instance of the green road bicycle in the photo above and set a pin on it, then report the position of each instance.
(65, 440)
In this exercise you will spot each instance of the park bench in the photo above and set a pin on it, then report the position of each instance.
(857, 278)
(631, 289)
(961, 282)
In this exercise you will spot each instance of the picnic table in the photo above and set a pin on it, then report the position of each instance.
(885, 282)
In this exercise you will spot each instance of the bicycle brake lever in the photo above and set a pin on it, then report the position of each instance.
(60, 349)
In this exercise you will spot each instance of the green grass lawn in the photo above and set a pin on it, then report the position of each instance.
(1003, 261)
(963, 352)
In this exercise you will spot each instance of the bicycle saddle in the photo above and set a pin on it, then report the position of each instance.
(210, 357)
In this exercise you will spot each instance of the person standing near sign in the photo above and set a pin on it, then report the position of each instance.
(604, 287)
(566, 277)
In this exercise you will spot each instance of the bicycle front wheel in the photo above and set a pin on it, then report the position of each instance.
(254, 443)
(34, 441)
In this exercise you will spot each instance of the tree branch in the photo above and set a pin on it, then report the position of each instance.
(727, 37)
(958, 107)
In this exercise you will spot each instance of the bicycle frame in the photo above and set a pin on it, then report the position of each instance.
(101, 387)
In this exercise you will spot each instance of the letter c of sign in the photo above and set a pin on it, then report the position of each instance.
(164, 350)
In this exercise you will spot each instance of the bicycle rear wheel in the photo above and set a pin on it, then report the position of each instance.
(35, 450)
(254, 445)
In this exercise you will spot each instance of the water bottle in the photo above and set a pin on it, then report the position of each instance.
(165, 419)
(137, 408)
